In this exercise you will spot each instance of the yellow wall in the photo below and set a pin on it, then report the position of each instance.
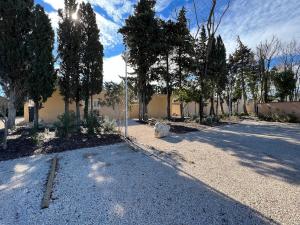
(280, 108)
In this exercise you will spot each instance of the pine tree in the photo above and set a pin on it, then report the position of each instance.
(15, 28)
(41, 79)
(183, 52)
(69, 54)
(92, 55)
(141, 35)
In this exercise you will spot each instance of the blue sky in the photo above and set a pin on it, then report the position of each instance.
(252, 20)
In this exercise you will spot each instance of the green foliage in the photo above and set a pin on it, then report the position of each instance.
(41, 79)
(285, 84)
(66, 125)
(69, 39)
(93, 123)
(37, 138)
(211, 120)
(92, 54)
(275, 117)
(109, 126)
(141, 35)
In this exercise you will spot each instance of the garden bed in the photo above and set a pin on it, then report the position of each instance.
(23, 142)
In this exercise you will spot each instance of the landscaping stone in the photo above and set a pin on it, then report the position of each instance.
(161, 130)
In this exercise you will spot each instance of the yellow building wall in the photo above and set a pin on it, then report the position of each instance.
(280, 108)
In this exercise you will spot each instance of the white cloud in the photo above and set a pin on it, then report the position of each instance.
(56, 4)
(109, 31)
(162, 4)
(258, 20)
(113, 68)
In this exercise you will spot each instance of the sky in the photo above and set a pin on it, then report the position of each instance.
(253, 20)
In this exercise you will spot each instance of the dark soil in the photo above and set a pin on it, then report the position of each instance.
(21, 144)
(174, 128)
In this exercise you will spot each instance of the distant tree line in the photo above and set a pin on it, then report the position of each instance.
(196, 67)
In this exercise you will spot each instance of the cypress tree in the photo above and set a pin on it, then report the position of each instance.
(167, 45)
(41, 79)
(69, 54)
(92, 55)
(183, 52)
(15, 28)
(140, 34)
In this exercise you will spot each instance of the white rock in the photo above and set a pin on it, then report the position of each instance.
(161, 130)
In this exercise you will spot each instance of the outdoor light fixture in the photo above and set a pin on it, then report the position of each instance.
(126, 57)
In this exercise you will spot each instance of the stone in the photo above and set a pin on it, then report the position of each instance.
(161, 130)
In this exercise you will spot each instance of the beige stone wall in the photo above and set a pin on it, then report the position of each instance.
(280, 108)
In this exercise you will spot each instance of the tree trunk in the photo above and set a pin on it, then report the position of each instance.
(168, 104)
(86, 107)
(245, 104)
(92, 104)
(36, 115)
(217, 106)
(265, 89)
(67, 105)
(212, 108)
(221, 105)
(78, 114)
(140, 107)
(11, 108)
(181, 110)
(4, 141)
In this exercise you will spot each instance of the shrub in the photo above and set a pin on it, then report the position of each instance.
(210, 120)
(93, 124)
(109, 126)
(37, 138)
(66, 125)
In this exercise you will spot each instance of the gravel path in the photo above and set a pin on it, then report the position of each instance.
(113, 185)
(254, 163)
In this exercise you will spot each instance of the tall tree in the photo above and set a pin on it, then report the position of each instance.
(140, 35)
(41, 79)
(15, 29)
(199, 67)
(163, 67)
(266, 52)
(68, 52)
(183, 52)
(243, 59)
(221, 72)
(92, 55)
(285, 84)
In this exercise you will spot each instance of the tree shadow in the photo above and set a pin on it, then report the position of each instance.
(267, 149)
(121, 186)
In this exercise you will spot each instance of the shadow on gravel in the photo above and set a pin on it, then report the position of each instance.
(270, 150)
(121, 186)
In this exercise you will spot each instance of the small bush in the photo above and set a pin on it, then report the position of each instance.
(93, 124)
(109, 126)
(275, 117)
(66, 125)
(37, 138)
(210, 120)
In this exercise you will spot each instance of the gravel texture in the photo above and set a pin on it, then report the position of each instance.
(255, 163)
(113, 185)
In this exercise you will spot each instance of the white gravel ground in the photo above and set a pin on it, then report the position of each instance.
(240, 174)
(255, 163)
(113, 185)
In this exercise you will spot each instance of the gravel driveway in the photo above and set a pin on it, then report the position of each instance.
(113, 185)
(254, 163)
(210, 177)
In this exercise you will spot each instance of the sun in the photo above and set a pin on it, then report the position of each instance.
(74, 16)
